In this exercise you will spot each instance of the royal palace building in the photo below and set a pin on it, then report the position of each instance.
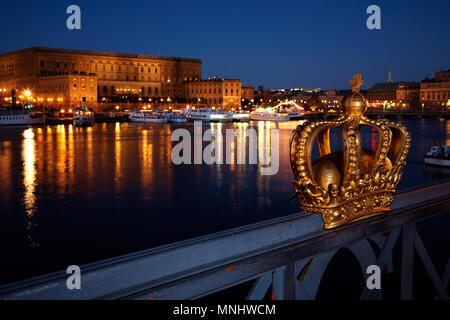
(220, 93)
(73, 77)
(435, 93)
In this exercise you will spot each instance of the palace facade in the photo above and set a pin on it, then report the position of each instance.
(220, 93)
(435, 93)
(70, 77)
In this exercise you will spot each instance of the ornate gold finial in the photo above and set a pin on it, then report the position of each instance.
(356, 82)
(352, 183)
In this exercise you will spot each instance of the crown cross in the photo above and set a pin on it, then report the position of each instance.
(356, 82)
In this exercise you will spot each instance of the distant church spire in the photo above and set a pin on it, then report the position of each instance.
(389, 75)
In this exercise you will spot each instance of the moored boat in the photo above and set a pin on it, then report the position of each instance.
(438, 155)
(176, 118)
(146, 117)
(83, 118)
(295, 114)
(269, 115)
(241, 116)
(12, 118)
(173, 117)
(207, 114)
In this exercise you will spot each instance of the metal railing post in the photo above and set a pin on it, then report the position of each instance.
(407, 271)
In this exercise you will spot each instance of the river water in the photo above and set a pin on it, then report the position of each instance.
(76, 195)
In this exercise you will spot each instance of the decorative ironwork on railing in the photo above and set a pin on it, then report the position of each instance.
(288, 255)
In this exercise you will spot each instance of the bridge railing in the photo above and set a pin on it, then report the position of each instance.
(287, 255)
(394, 111)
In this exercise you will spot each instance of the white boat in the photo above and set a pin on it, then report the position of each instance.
(83, 118)
(291, 108)
(269, 115)
(241, 116)
(11, 118)
(295, 114)
(173, 117)
(207, 114)
(438, 155)
(146, 116)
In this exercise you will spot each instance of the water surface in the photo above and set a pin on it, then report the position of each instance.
(75, 195)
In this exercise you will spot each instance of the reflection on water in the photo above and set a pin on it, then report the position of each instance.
(110, 189)
(146, 148)
(6, 169)
(447, 142)
(29, 182)
(117, 159)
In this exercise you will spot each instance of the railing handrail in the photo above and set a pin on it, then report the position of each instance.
(139, 272)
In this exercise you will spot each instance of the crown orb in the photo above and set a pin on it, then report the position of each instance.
(326, 172)
(354, 104)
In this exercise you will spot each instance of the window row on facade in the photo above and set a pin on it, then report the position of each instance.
(435, 95)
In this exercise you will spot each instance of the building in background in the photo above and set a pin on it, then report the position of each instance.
(383, 92)
(248, 93)
(247, 97)
(331, 99)
(66, 90)
(435, 93)
(218, 93)
(61, 77)
(407, 96)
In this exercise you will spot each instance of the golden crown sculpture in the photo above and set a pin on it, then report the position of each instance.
(353, 183)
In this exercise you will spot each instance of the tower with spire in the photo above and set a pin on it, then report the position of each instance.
(389, 75)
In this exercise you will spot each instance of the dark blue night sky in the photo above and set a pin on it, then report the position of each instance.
(277, 44)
